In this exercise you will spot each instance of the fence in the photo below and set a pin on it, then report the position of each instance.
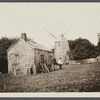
(91, 60)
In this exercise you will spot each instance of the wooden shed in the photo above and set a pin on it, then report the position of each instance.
(24, 57)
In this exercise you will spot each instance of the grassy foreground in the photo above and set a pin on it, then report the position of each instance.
(72, 78)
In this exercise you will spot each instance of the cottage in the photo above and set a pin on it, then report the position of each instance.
(25, 57)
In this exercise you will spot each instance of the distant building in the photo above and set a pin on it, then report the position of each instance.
(98, 36)
(24, 56)
(98, 57)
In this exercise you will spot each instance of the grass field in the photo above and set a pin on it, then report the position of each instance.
(72, 78)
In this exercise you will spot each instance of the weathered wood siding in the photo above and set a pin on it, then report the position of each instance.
(21, 59)
(48, 58)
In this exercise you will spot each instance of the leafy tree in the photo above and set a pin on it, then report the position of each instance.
(98, 48)
(5, 43)
(82, 49)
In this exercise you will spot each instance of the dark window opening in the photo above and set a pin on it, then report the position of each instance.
(42, 58)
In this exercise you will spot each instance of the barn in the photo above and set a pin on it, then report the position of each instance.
(25, 57)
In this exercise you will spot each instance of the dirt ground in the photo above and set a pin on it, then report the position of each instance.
(71, 78)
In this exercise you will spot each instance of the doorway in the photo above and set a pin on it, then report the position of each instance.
(14, 58)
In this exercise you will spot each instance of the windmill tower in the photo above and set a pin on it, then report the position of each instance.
(61, 49)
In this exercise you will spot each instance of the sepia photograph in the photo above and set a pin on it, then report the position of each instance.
(49, 47)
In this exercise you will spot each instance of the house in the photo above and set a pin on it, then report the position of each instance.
(25, 56)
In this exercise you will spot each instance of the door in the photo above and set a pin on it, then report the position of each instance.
(15, 61)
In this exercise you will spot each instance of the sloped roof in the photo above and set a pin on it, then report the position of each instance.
(13, 45)
(32, 44)
(61, 38)
(38, 46)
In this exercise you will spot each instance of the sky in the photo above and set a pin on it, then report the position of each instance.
(38, 19)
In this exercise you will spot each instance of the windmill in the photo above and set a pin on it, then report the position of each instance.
(61, 48)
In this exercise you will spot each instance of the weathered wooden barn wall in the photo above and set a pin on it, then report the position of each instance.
(42, 56)
(21, 59)
(61, 49)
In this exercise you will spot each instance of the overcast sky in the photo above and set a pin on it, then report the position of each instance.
(72, 19)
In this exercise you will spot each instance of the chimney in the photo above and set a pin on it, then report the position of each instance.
(99, 36)
(23, 36)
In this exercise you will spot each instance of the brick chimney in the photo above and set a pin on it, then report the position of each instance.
(24, 36)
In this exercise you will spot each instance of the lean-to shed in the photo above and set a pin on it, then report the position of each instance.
(24, 56)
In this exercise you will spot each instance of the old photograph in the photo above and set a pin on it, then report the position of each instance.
(49, 47)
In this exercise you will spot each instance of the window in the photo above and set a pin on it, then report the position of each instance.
(16, 58)
(42, 58)
(50, 59)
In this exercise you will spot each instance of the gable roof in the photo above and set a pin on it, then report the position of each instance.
(13, 45)
(33, 45)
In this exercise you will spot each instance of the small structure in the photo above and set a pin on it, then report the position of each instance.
(61, 49)
(25, 56)
(98, 36)
(98, 57)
